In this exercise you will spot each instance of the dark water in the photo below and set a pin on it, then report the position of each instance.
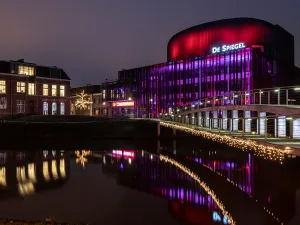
(137, 186)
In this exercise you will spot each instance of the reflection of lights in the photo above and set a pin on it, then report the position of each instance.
(62, 168)
(54, 153)
(46, 171)
(151, 156)
(54, 170)
(3, 176)
(31, 172)
(129, 161)
(26, 188)
(202, 184)
(21, 174)
(104, 160)
(81, 156)
(123, 153)
(45, 153)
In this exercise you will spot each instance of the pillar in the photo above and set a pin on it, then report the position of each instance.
(215, 119)
(224, 120)
(261, 123)
(235, 121)
(207, 119)
(280, 126)
(247, 124)
(199, 118)
(295, 129)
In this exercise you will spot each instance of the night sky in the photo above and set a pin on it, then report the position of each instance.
(92, 40)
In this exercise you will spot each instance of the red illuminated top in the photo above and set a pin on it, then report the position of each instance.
(199, 40)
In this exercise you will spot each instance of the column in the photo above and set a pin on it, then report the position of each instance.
(215, 119)
(224, 120)
(158, 129)
(207, 119)
(261, 123)
(295, 129)
(247, 117)
(235, 121)
(280, 126)
(199, 115)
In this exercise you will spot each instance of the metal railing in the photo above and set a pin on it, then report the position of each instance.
(287, 96)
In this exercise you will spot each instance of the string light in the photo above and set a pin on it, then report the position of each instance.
(266, 151)
(81, 102)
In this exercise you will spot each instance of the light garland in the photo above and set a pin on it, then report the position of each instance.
(265, 151)
(202, 184)
(81, 102)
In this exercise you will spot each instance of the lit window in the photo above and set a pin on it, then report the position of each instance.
(103, 94)
(62, 108)
(26, 70)
(54, 105)
(21, 87)
(20, 106)
(62, 91)
(45, 108)
(31, 88)
(54, 91)
(2, 86)
(45, 89)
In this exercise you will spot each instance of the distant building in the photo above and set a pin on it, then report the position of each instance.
(93, 95)
(30, 88)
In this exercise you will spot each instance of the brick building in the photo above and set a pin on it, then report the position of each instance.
(30, 88)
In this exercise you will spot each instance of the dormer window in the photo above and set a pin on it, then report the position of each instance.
(26, 70)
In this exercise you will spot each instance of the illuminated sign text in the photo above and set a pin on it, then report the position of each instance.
(122, 104)
(226, 48)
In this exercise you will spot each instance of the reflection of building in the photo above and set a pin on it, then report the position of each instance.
(24, 173)
(93, 94)
(30, 88)
(145, 172)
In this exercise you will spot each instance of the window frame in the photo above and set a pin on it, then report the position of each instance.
(3, 85)
(44, 89)
(20, 87)
(52, 88)
(29, 89)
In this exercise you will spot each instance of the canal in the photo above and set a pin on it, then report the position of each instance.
(166, 182)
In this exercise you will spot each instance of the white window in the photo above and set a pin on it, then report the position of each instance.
(20, 106)
(26, 70)
(62, 91)
(21, 87)
(45, 89)
(45, 108)
(54, 91)
(62, 108)
(2, 86)
(54, 108)
(31, 88)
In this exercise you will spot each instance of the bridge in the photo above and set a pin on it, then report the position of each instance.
(269, 115)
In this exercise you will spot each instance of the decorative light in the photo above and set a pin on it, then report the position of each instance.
(81, 102)
(261, 149)
(276, 90)
(297, 89)
(129, 98)
(81, 156)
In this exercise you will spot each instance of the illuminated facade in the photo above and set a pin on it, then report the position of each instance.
(27, 88)
(215, 59)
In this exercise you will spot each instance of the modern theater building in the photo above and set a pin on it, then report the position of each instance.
(34, 89)
(215, 59)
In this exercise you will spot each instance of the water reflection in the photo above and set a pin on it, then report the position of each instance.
(148, 173)
(25, 173)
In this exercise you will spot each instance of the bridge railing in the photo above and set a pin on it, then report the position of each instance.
(269, 96)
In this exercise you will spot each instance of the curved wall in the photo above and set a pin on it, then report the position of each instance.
(199, 40)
